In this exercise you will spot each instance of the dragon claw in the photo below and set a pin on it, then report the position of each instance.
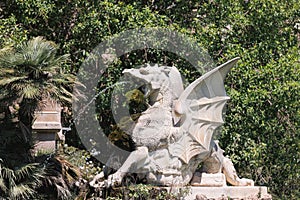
(113, 180)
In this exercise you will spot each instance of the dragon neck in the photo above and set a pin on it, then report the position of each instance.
(163, 96)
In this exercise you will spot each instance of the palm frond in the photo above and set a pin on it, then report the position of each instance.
(62, 192)
(2, 185)
(22, 182)
(7, 173)
(66, 93)
(60, 80)
(61, 176)
(21, 191)
(8, 80)
(25, 171)
(7, 71)
(32, 71)
(30, 91)
(5, 50)
(32, 66)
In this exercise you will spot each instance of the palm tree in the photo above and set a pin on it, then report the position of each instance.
(20, 182)
(32, 71)
(29, 73)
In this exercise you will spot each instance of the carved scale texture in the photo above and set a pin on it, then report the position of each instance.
(153, 128)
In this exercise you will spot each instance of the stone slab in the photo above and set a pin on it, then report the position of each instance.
(227, 192)
(211, 180)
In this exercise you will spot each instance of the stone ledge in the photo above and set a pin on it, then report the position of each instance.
(46, 126)
(227, 192)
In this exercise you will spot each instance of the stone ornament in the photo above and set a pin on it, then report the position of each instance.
(175, 134)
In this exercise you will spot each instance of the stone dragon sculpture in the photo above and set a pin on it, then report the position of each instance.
(175, 134)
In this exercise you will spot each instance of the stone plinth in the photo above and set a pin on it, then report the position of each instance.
(45, 141)
(47, 125)
(212, 180)
(226, 193)
(48, 117)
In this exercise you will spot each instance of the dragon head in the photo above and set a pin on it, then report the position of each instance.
(158, 80)
(153, 76)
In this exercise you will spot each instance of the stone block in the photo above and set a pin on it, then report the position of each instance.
(48, 117)
(221, 193)
(209, 180)
(45, 141)
(229, 192)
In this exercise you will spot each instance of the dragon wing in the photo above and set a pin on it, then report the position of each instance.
(200, 108)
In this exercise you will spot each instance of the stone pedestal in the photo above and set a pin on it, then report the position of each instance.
(225, 193)
(47, 125)
(211, 180)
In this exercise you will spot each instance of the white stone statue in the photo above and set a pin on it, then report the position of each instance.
(175, 134)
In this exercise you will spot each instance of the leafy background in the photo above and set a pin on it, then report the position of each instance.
(261, 134)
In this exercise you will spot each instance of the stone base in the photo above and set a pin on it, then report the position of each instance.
(226, 193)
(209, 180)
(44, 141)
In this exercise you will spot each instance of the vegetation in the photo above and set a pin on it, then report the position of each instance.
(20, 183)
(30, 72)
(262, 131)
(144, 192)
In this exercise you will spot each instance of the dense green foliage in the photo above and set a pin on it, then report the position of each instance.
(263, 123)
(262, 131)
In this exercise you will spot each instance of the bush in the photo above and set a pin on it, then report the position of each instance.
(262, 133)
